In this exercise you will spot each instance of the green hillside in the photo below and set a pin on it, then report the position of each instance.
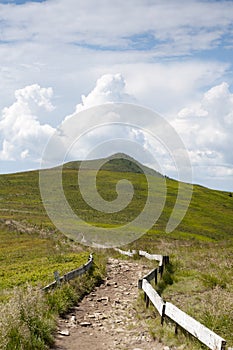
(118, 162)
(201, 247)
(209, 216)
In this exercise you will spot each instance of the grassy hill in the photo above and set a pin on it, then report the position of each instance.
(201, 247)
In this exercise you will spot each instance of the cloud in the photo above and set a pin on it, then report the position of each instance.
(166, 86)
(21, 133)
(109, 88)
(65, 44)
(173, 27)
(206, 128)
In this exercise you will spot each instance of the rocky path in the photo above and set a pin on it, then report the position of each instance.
(107, 318)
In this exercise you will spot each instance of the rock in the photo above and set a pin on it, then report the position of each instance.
(85, 324)
(73, 319)
(118, 321)
(166, 348)
(103, 317)
(102, 299)
(64, 332)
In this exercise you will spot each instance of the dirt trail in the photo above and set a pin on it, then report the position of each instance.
(106, 319)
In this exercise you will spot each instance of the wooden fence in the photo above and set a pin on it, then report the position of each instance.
(162, 259)
(70, 275)
(181, 319)
(199, 331)
(166, 309)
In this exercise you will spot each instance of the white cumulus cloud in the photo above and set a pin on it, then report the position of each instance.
(22, 135)
(206, 128)
(109, 88)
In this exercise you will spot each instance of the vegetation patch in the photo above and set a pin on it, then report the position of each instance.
(30, 258)
(201, 247)
(28, 318)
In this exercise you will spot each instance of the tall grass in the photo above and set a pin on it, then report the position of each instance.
(26, 321)
(28, 318)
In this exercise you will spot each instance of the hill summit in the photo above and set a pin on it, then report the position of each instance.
(118, 162)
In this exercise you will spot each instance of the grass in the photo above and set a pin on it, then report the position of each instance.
(200, 248)
(202, 287)
(28, 319)
(29, 258)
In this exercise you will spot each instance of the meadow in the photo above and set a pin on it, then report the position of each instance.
(200, 248)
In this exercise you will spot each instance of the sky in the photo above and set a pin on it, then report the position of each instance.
(174, 57)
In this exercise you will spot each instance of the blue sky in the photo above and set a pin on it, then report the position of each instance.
(19, 2)
(174, 57)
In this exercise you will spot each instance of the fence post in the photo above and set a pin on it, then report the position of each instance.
(224, 344)
(156, 276)
(147, 301)
(57, 278)
(163, 314)
(161, 270)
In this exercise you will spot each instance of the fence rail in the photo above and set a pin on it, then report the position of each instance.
(153, 296)
(166, 309)
(199, 331)
(124, 252)
(70, 275)
(206, 336)
(162, 259)
(156, 257)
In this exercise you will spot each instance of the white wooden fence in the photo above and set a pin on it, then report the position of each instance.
(206, 336)
(155, 298)
(202, 333)
(181, 319)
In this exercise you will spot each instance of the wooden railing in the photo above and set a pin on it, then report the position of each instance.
(180, 318)
(70, 275)
(170, 311)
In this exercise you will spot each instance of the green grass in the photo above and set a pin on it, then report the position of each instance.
(200, 248)
(28, 319)
(29, 258)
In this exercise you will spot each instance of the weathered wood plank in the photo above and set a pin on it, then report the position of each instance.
(151, 275)
(202, 333)
(72, 274)
(123, 252)
(156, 257)
(156, 300)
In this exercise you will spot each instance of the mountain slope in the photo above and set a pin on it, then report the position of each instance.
(119, 162)
(200, 248)
(209, 215)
